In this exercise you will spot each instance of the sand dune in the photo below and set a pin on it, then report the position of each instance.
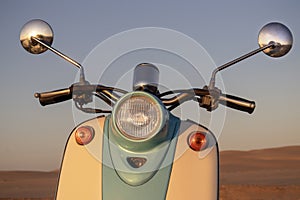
(278, 166)
(269, 174)
(27, 184)
(244, 175)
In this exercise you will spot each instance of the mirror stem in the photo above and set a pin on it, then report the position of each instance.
(213, 76)
(70, 60)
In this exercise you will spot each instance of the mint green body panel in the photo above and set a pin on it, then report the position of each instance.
(150, 181)
(158, 153)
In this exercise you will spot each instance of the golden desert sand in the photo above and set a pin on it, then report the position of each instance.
(267, 174)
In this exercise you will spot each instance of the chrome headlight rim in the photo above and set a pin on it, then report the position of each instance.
(161, 114)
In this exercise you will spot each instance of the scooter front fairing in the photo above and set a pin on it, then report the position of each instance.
(87, 171)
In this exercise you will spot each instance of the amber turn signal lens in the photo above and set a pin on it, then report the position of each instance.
(84, 135)
(197, 141)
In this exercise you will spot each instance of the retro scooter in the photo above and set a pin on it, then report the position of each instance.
(139, 149)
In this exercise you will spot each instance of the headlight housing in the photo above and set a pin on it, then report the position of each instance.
(139, 116)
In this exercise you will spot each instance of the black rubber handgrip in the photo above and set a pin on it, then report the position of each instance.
(52, 97)
(237, 103)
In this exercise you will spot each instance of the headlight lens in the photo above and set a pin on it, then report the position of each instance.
(139, 116)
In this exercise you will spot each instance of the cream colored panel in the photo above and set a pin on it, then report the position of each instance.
(194, 175)
(80, 176)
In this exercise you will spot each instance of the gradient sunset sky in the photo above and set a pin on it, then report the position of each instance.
(33, 137)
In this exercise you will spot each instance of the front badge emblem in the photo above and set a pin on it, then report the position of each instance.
(136, 162)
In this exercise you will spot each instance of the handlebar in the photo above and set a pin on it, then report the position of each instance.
(237, 103)
(80, 93)
(216, 97)
(55, 96)
(61, 95)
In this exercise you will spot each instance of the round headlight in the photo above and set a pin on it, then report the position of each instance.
(139, 116)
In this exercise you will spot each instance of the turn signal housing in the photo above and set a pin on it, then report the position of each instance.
(197, 141)
(84, 135)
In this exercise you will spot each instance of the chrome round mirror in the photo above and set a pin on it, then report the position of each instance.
(38, 29)
(278, 34)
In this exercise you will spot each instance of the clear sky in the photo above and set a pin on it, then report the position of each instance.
(33, 137)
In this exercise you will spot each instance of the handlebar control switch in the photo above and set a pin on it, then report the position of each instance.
(210, 102)
(82, 93)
